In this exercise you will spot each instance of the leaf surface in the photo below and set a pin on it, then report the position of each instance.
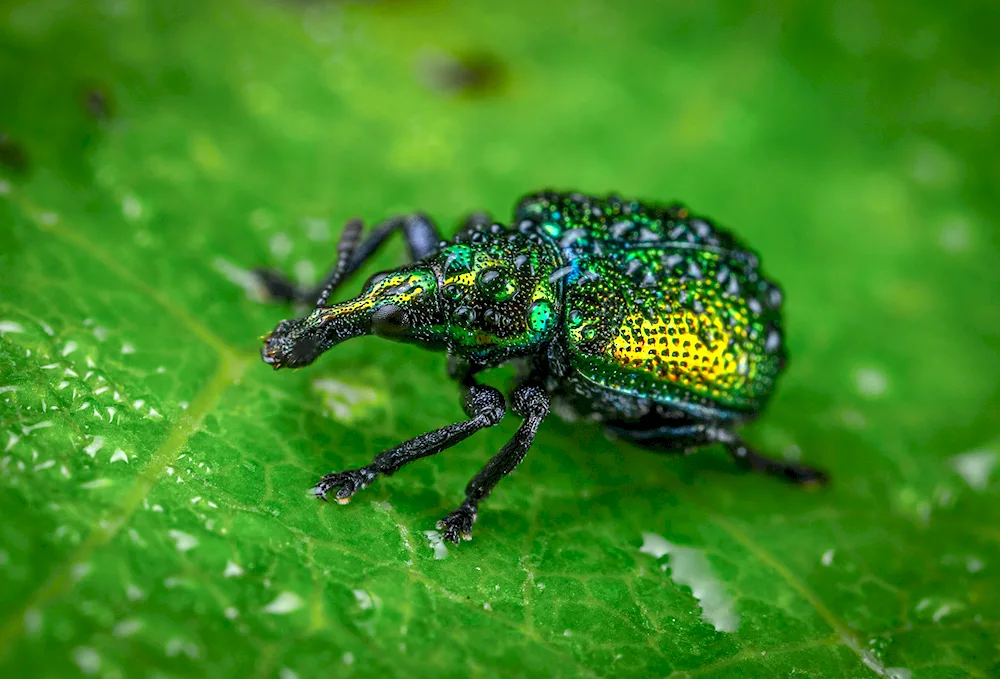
(154, 473)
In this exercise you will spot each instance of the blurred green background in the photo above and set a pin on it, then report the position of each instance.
(155, 521)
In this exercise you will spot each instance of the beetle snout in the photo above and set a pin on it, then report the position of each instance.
(291, 344)
(277, 346)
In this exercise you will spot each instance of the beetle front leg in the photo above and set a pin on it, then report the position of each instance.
(485, 407)
(419, 232)
(531, 402)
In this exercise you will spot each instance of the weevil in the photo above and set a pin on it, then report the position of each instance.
(643, 317)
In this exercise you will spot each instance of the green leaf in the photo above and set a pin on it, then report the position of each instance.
(154, 472)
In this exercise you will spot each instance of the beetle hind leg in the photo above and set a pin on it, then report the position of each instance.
(688, 437)
(747, 458)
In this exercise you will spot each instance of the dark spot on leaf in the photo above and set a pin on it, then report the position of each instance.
(98, 103)
(12, 154)
(472, 73)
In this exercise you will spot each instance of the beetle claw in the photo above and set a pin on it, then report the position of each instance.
(346, 483)
(457, 526)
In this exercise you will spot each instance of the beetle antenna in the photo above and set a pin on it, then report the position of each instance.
(348, 243)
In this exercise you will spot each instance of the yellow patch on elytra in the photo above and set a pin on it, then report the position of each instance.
(672, 347)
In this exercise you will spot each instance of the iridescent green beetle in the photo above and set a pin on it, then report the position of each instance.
(643, 317)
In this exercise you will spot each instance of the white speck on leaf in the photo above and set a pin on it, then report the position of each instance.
(87, 659)
(941, 612)
(348, 658)
(10, 326)
(11, 441)
(973, 564)
(280, 245)
(131, 208)
(436, 542)
(654, 545)
(871, 382)
(305, 272)
(898, 673)
(285, 673)
(689, 567)
(955, 235)
(231, 613)
(30, 428)
(183, 541)
(317, 230)
(286, 602)
(12, 387)
(232, 570)
(32, 621)
(827, 557)
(128, 348)
(175, 647)
(364, 599)
(345, 401)
(134, 593)
(975, 467)
(486, 606)
(79, 571)
(119, 456)
(70, 347)
(97, 483)
(127, 628)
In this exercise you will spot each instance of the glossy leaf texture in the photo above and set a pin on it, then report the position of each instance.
(154, 472)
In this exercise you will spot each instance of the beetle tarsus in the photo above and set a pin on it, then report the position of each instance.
(347, 484)
(458, 525)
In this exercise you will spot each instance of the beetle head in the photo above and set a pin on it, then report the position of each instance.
(496, 297)
(484, 299)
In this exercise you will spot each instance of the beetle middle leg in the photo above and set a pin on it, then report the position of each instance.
(685, 437)
(485, 407)
(419, 232)
(530, 401)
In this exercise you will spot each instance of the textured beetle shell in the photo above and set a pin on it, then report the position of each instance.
(660, 304)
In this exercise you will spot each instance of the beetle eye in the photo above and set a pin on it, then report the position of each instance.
(390, 320)
(496, 285)
(374, 280)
